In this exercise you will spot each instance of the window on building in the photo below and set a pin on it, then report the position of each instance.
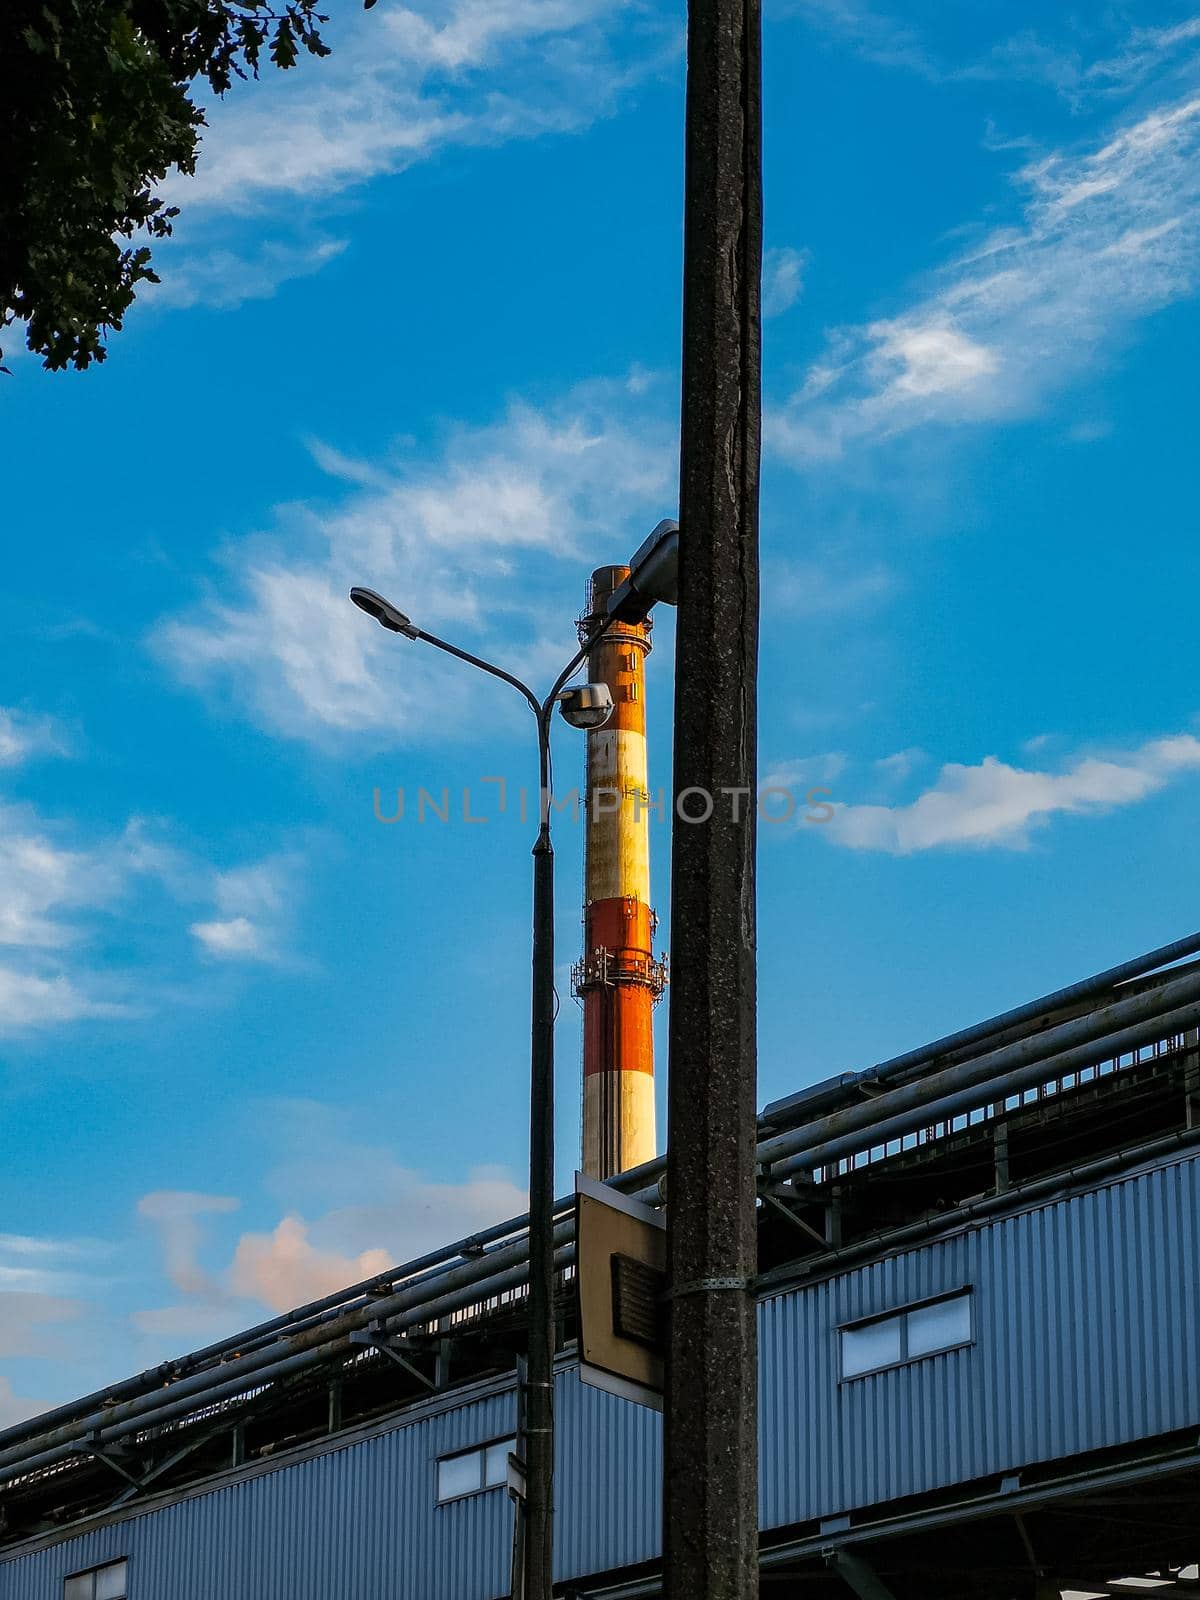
(920, 1330)
(109, 1582)
(471, 1471)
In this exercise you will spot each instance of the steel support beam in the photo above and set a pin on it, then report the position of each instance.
(710, 1510)
(858, 1575)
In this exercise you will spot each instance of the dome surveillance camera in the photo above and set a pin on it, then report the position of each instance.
(587, 706)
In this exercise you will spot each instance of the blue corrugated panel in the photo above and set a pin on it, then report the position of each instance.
(609, 1466)
(1087, 1335)
(350, 1524)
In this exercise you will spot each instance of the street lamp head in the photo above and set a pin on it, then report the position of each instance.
(653, 577)
(588, 705)
(384, 612)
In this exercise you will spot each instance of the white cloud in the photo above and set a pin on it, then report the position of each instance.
(1107, 236)
(237, 936)
(60, 899)
(484, 542)
(24, 1244)
(994, 804)
(801, 775)
(40, 880)
(22, 737)
(783, 280)
(283, 1268)
(345, 1239)
(253, 903)
(1142, 56)
(29, 1001)
(404, 83)
(228, 277)
(1085, 64)
(401, 86)
(871, 33)
(896, 767)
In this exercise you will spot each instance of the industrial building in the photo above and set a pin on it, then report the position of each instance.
(979, 1323)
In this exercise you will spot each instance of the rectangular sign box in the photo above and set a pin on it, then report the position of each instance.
(621, 1273)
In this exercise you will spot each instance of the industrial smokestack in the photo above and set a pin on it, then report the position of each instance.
(618, 980)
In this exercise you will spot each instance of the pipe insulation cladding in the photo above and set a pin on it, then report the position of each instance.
(618, 980)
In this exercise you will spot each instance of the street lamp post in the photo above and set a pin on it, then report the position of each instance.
(587, 705)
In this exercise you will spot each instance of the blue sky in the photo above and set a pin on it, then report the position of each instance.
(419, 329)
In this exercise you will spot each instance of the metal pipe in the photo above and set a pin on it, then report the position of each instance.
(537, 1441)
(894, 1238)
(140, 1414)
(479, 1278)
(294, 1321)
(1032, 1011)
(538, 1444)
(1093, 1025)
(967, 1095)
(642, 1180)
(645, 1183)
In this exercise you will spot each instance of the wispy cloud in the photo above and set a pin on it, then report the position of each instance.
(253, 905)
(28, 1000)
(1108, 236)
(64, 897)
(483, 539)
(23, 737)
(229, 277)
(996, 804)
(307, 1255)
(871, 32)
(1085, 61)
(404, 83)
(1143, 55)
(42, 880)
(782, 279)
(38, 1277)
(176, 1214)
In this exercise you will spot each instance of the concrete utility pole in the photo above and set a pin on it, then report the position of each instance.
(710, 1511)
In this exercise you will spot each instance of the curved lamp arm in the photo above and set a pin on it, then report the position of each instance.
(484, 666)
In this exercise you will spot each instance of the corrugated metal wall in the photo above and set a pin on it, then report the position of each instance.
(1087, 1334)
(609, 1465)
(353, 1524)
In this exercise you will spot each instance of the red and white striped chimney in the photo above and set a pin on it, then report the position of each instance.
(618, 980)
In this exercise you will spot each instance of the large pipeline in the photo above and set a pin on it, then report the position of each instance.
(164, 1385)
(470, 1282)
(892, 1239)
(1039, 1048)
(119, 1421)
(796, 1111)
(1032, 1015)
(967, 1097)
(295, 1321)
